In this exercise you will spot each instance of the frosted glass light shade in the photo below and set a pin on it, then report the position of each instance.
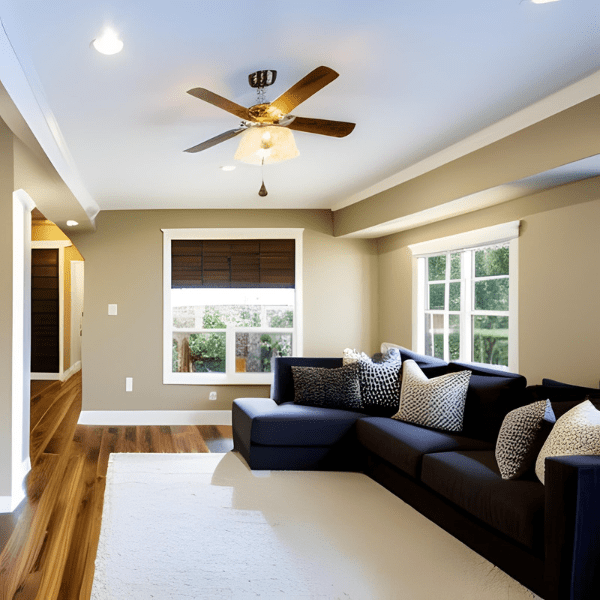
(273, 144)
(108, 42)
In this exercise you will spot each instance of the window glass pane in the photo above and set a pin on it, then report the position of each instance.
(454, 302)
(280, 318)
(454, 337)
(455, 266)
(491, 261)
(490, 340)
(491, 294)
(436, 267)
(199, 353)
(254, 351)
(437, 296)
(434, 335)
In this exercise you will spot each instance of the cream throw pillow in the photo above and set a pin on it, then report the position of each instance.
(576, 432)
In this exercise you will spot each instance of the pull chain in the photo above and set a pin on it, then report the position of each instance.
(263, 190)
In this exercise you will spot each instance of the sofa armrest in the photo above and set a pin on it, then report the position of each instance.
(243, 411)
(572, 527)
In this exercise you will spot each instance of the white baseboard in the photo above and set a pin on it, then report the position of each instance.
(155, 417)
(57, 376)
(45, 376)
(71, 371)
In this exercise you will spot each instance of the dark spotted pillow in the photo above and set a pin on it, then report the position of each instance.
(380, 384)
(329, 388)
(522, 435)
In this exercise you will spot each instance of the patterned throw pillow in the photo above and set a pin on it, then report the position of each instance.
(352, 356)
(438, 402)
(576, 432)
(330, 388)
(522, 435)
(380, 384)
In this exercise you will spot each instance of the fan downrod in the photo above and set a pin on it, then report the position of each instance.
(262, 79)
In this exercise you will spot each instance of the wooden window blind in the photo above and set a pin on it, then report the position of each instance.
(233, 263)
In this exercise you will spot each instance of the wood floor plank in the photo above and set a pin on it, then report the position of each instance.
(82, 552)
(67, 405)
(144, 439)
(23, 547)
(60, 531)
(108, 444)
(87, 578)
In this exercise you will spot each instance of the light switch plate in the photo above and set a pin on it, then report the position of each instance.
(112, 309)
(129, 384)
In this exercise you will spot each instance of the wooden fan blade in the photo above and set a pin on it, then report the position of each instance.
(333, 128)
(216, 140)
(219, 101)
(304, 89)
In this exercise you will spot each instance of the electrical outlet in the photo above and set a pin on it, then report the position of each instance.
(129, 384)
(212, 396)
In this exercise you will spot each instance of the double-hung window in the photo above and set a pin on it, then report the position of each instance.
(232, 302)
(466, 297)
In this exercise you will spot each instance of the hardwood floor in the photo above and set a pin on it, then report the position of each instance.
(49, 544)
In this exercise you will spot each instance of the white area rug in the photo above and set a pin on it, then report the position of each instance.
(203, 526)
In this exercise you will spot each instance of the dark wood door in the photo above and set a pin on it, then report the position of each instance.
(44, 311)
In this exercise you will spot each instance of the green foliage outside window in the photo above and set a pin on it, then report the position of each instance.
(273, 345)
(437, 267)
(208, 352)
(218, 317)
(280, 318)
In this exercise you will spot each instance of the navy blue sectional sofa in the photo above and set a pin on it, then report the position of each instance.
(545, 536)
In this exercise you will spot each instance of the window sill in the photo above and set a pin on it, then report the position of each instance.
(218, 379)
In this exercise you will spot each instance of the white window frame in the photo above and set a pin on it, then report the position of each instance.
(488, 236)
(230, 377)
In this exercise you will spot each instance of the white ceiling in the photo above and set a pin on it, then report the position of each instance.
(416, 77)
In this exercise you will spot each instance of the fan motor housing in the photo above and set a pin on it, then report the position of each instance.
(262, 79)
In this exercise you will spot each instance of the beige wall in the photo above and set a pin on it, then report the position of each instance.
(48, 231)
(559, 283)
(565, 137)
(124, 267)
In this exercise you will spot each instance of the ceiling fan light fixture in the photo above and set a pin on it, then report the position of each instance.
(108, 43)
(266, 145)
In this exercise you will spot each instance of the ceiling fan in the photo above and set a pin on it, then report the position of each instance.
(276, 113)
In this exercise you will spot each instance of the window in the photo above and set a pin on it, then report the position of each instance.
(232, 301)
(466, 297)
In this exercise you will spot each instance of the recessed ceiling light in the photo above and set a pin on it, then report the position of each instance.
(543, 1)
(71, 223)
(108, 42)
(227, 168)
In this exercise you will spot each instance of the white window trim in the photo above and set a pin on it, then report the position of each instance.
(496, 234)
(223, 234)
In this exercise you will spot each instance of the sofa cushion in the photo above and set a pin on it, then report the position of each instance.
(403, 444)
(438, 402)
(522, 435)
(290, 424)
(329, 388)
(491, 396)
(472, 481)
